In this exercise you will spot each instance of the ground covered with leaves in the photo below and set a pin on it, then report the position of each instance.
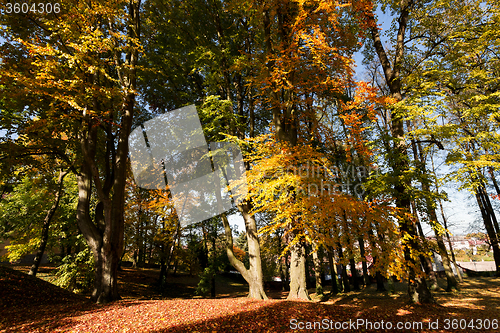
(29, 304)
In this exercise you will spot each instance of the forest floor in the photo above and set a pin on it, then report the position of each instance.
(29, 304)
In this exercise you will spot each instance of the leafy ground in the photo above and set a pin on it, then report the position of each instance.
(30, 304)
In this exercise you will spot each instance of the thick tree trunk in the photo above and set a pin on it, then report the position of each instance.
(354, 274)
(380, 282)
(417, 286)
(46, 225)
(253, 275)
(298, 287)
(105, 235)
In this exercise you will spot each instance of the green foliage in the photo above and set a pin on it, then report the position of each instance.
(206, 276)
(76, 272)
(23, 209)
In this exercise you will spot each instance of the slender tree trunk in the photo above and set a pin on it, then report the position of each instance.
(214, 258)
(450, 277)
(494, 180)
(366, 277)
(417, 286)
(490, 230)
(450, 245)
(46, 224)
(425, 259)
(333, 271)
(431, 213)
(445, 224)
(134, 259)
(345, 277)
(318, 270)
(489, 209)
(173, 250)
(379, 278)
(354, 274)
(282, 265)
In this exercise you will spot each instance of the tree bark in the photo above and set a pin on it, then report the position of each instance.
(366, 277)
(333, 271)
(417, 286)
(253, 276)
(345, 279)
(450, 245)
(492, 235)
(46, 225)
(104, 235)
(318, 270)
(354, 274)
(425, 259)
(298, 287)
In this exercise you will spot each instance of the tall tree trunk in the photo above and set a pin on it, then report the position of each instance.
(489, 209)
(450, 245)
(318, 270)
(379, 278)
(445, 224)
(345, 277)
(433, 220)
(490, 230)
(333, 271)
(46, 225)
(366, 277)
(285, 120)
(417, 286)
(450, 276)
(494, 180)
(298, 289)
(425, 259)
(105, 235)
(354, 274)
(213, 263)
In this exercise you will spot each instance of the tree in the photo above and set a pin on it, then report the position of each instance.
(454, 90)
(187, 67)
(303, 67)
(46, 224)
(34, 214)
(417, 287)
(82, 62)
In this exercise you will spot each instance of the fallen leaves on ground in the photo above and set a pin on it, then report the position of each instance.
(41, 308)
